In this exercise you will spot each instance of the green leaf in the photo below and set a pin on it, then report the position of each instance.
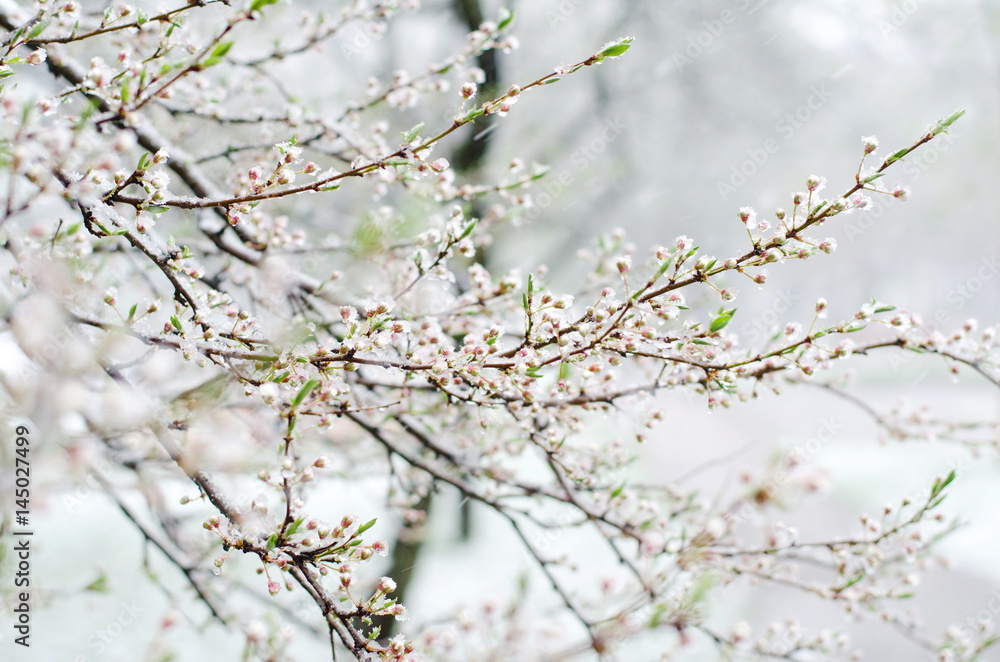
(176, 323)
(217, 54)
(99, 585)
(469, 228)
(872, 178)
(615, 49)
(472, 114)
(367, 525)
(722, 320)
(941, 483)
(38, 27)
(272, 542)
(157, 209)
(294, 526)
(942, 125)
(552, 80)
(506, 18)
(257, 5)
(144, 162)
(304, 391)
(131, 312)
(411, 135)
(329, 187)
(897, 156)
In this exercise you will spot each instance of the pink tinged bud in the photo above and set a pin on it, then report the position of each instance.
(387, 585)
(871, 143)
(468, 90)
(815, 183)
(345, 580)
(36, 57)
(860, 201)
(255, 173)
(273, 587)
(901, 192)
(760, 278)
(828, 246)
(623, 264)
(779, 214)
(728, 295)
(820, 305)
(310, 168)
(747, 215)
(798, 198)
(440, 165)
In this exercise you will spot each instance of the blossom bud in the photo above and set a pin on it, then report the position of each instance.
(815, 183)
(36, 57)
(387, 585)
